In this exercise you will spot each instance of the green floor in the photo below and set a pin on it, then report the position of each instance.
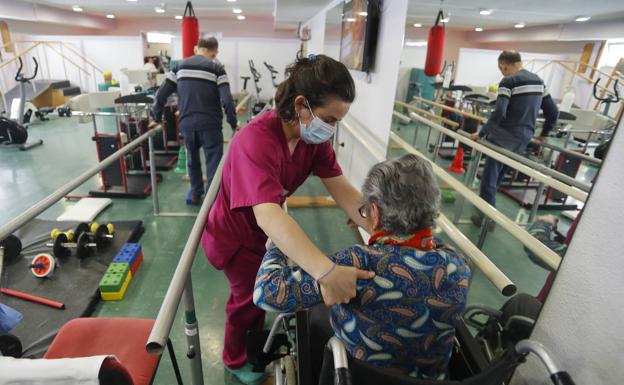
(68, 150)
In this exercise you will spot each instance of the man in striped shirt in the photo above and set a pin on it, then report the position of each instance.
(521, 94)
(203, 91)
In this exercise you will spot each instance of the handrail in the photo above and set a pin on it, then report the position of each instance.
(48, 201)
(66, 58)
(427, 113)
(240, 106)
(522, 167)
(484, 120)
(452, 109)
(164, 320)
(551, 258)
(75, 51)
(483, 263)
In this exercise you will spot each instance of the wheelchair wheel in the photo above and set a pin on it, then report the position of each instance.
(289, 367)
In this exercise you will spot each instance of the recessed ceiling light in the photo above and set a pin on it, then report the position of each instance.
(241, 17)
(77, 8)
(363, 14)
(485, 12)
(132, 1)
(520, 25)
(110, 16)
(178, 17)
(159, 10)
(479, 29)
(445, 20)
(231, 1)
(417, 25)
(581, 19)
(237, 10)
(350, 19)
(416, 43)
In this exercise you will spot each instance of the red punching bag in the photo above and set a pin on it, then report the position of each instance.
(435, 47)
(190, 31)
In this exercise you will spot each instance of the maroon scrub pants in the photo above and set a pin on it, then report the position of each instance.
(240, 312)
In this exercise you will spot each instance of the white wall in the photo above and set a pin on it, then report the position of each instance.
(581, 321)
(371, 112)
(486, 73)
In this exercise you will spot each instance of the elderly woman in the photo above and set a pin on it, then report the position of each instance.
(404, 319)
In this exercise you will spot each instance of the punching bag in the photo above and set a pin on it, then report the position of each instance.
(190, 31)
(435, 47)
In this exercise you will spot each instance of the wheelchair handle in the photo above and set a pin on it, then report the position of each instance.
(558, 376)
(341, 363)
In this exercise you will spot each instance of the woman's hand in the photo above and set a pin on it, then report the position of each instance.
(339, 286)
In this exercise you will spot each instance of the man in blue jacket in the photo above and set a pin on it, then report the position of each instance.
(203, 93)
(521, 94)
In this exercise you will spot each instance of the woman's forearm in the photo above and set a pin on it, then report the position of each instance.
(290, 239)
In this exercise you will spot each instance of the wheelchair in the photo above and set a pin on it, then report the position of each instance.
(488, 358)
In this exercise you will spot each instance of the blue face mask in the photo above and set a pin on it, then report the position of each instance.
(318, 131)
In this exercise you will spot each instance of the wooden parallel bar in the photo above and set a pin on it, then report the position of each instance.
(427, 113)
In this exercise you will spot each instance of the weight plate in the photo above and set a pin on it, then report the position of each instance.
(10, 346)
(43, 265)
(58, 249)
(12, 246)
(81, 228)
(82, 250)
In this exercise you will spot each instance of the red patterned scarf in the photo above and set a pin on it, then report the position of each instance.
(421, 239)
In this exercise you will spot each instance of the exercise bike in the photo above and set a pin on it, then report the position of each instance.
(258, 106)
(13, 133)
(273, 73)
(601, 151)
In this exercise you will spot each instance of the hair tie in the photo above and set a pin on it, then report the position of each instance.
(312, 57)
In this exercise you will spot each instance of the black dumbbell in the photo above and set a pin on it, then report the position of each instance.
(100, 234)
(62, 244)
(12, 246)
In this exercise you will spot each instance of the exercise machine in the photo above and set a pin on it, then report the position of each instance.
(273, 73)
(259, 106)
(21, 110)
(14, 133)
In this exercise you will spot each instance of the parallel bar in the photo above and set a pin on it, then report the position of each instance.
(491, 272)
(162, 326)
(241, 106)
(153, 177)
(428, 114)
(483, 263)
(401, 117)
(48, 201)
(556, 184)
(452, 109)
(544, 253)
(579, 155)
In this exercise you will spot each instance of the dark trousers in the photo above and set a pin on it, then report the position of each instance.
(491, 179)
(211, 140)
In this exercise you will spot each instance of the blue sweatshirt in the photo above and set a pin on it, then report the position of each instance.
(520, 97)
(203, 90)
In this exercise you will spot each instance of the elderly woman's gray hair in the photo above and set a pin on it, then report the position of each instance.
(406, 192)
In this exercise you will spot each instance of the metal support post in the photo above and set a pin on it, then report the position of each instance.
(191, 329)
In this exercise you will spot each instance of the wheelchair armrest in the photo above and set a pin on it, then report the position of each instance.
(472, 311)
(279, 322)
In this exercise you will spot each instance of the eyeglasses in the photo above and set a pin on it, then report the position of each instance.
(362, 211)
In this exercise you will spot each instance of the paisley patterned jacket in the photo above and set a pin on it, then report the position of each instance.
(402, 320)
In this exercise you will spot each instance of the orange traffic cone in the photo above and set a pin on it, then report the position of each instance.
(458, 163)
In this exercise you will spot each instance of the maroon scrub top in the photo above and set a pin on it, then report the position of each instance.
(259, 169)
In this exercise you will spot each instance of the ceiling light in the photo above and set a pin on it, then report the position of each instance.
(350, 19)
(485, 12)
(445, 20)
(363, 14)
(231, 1)
(159, 10)
(581, 19)
(479, 29)
(417, 25)
(519, 25)
(237, 10)
(77, 8)
(132, 1)
(241, 17)
(178, 17)
(110, 16)
(416, 43)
